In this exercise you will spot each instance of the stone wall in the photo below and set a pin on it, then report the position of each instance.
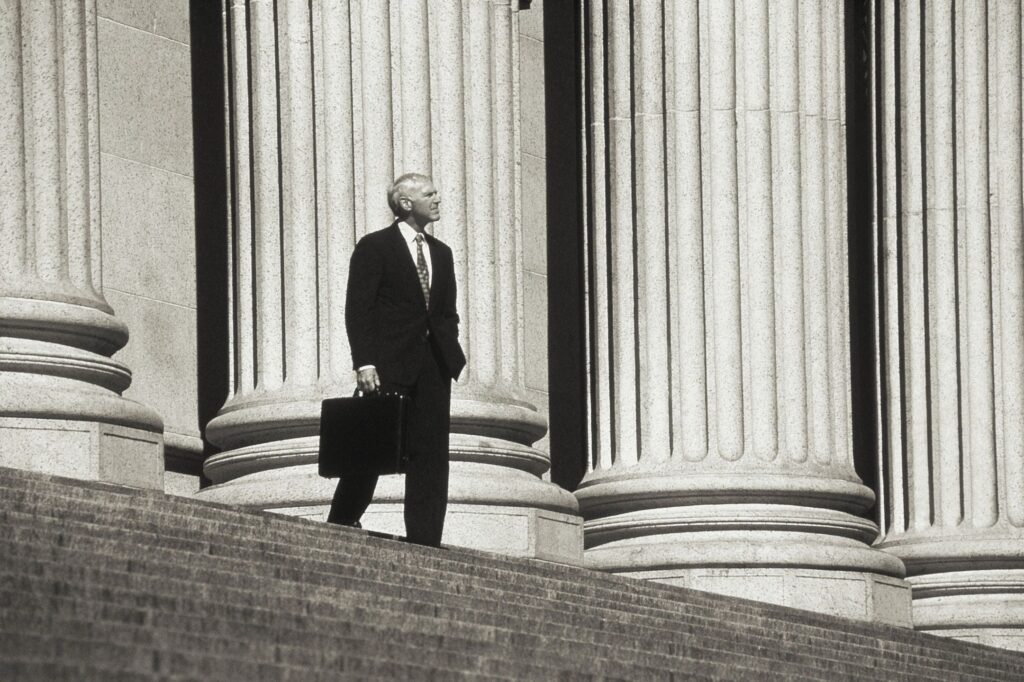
(147, 185)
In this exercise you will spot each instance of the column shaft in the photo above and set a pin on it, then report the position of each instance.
(451, 143)
(689, 424)
(1011, 253)
(12, 144)
(724, 232)
(480, 243)
(415, 67)
(730, 469)
(788, 243)
(508, 258)
(652, 283)
(337, 210)
(596, 140)
(377, 134)
(952, 311)
(621, 263)
(300, 220)
(334, 99)
(760, 243)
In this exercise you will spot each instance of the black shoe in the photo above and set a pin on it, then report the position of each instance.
(353, 524)
(384, 536)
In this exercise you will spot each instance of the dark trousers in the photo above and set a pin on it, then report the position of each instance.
(426, 477)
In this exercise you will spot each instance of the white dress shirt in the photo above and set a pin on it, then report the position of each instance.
(409, 235)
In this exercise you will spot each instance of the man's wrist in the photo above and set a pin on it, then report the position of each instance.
(366, 367)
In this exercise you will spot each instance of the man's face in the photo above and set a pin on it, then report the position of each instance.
(424, 203)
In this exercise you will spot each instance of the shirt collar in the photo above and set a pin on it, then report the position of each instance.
(408, 234)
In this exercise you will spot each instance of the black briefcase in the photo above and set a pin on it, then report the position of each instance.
(363, 434)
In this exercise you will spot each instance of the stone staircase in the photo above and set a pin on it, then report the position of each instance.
(99, 582)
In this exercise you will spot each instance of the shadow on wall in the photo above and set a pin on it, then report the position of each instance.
(210, 158)
(860, 247)
(567, 385)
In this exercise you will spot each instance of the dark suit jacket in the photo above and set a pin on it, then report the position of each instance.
(385, 315)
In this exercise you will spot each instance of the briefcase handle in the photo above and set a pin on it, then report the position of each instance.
(359, 394)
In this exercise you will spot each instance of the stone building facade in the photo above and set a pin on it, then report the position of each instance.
(742, 282)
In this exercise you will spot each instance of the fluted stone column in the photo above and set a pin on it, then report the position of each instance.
(951, 285)
(328, 102)
(61, 409)
(719, 403)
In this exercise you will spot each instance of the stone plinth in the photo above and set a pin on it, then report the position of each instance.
(719, 343)
(61, 409)
(951, 311)
(318, 136)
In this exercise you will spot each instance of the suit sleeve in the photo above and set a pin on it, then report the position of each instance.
(451, 315)
(361, 315)
(454, 357)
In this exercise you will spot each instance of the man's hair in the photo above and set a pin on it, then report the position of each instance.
(401, 186)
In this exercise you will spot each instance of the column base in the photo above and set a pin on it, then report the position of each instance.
(532, 519)
(512, 531)
(61, 408)
(795, 538)
(813, 559)
(848, 594)
(985, 606)
(968, 581)
(1001, 638)
(83, 449)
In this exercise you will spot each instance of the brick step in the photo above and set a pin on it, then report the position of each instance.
(109, 565)
(157, 591)
(26, 592)
(343, 545)
(330, 543)
(193, 615)
(305, 531)
(34, 671)
(312, 531)
(296, 656)
(261, 525)
(543, 625)
(93, 661)
(278, 644)
(248, 615)
(348, 565)
(244, 649)
(305, 581)
(89, 602)
(26, 647)
(501, 577)
(700, 629)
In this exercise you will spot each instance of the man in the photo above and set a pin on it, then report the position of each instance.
(404, 333)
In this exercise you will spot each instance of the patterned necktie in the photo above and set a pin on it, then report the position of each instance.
(421, 270)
